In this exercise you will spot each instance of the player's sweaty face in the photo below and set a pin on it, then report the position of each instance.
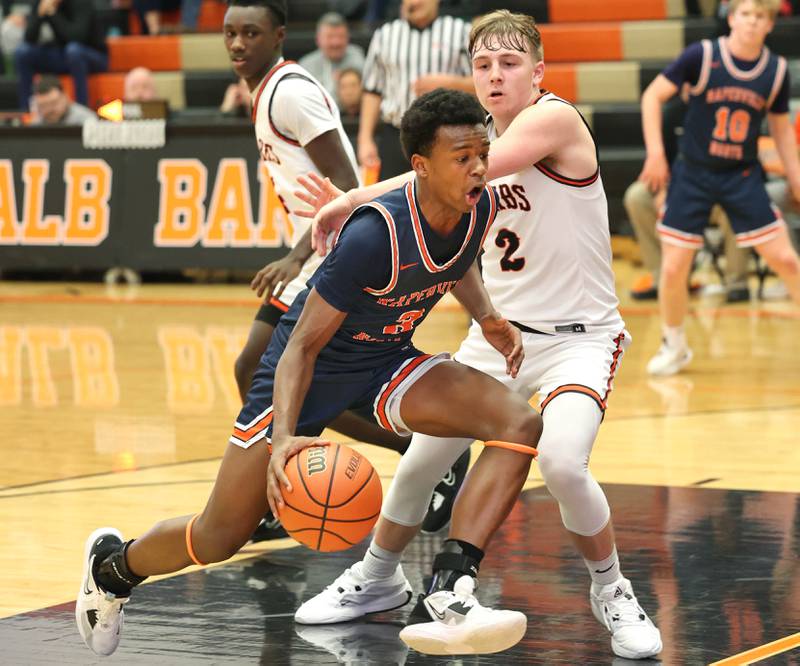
(458, 163)
(251, 40)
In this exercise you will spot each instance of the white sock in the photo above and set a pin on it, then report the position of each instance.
(379, 563)
(675, 336)
(605, 571)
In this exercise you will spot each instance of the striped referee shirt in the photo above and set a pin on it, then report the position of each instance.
(399, 54)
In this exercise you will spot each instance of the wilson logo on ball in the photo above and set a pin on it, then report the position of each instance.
(317, 460)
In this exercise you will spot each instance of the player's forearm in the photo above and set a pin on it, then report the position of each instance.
(361, 195)
(292, 381)
(370, 113)
(463, 83)
(302, 250)
(471, 293)
(652, 123)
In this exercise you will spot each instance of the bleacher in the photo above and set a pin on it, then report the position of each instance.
(600, 55)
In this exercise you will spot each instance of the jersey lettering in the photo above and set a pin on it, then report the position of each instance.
(512, 197)
(510, 241)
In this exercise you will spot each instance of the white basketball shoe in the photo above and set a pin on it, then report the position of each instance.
(352, 595)
(99, 613)
(669, 360)
(633, 634)
(460, 625)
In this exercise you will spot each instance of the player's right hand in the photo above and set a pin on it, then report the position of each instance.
(330, 207)
(655, 172)
(368, 155)
(282, 450)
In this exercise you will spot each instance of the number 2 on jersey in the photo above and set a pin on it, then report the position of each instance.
(405, 322)
(731, 126)
(509, 240)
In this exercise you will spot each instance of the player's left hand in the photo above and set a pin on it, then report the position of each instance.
(273, 278)
(282, 450)
(506, 339)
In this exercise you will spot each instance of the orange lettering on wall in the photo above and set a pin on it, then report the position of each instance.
(86, 209)
(189, 385)
(225, 345)
(275, 229)
(10, 365)
(8, 205)
(41, 340)
(36, 229)
(230, 213)
(94, 378)
(183, 184)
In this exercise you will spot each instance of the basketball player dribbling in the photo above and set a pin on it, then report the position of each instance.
(547, 268)
(345, 343)
(734, 83)
(299, 130)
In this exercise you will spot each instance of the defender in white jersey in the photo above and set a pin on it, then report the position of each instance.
(547, 268)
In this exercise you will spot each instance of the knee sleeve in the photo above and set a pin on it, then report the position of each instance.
(422, 466)
(571, 421)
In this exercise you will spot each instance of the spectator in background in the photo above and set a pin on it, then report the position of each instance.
(51, 106)
(61, 37)
(12, 28)
(348, 92)
(237, 102)
(408, 57)
(139, 86)
(150, 14)
(334, 52)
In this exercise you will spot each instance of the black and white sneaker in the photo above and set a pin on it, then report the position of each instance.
(98, 613)
(458, 624)
(269, 528)
(444, 496)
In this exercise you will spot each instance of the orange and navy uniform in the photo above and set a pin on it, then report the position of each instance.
(718, 160)
(387, 271)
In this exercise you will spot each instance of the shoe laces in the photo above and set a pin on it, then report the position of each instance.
(108, 609)
(625, 610)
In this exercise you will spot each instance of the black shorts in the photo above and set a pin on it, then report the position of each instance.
(270, 313)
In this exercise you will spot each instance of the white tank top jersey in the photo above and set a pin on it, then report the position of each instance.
(284, 123)
(547, 259)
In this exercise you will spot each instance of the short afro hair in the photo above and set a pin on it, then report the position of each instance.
(276, 8)
(440, 107)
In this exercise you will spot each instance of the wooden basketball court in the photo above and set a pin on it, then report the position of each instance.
(116, 405)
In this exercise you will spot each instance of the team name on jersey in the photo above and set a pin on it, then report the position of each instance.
(267, 153)
(416, 296)
(512, 197)
(736, 94)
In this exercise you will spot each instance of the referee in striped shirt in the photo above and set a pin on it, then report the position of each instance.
(408, 57)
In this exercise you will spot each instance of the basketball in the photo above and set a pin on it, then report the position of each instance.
(335, 500)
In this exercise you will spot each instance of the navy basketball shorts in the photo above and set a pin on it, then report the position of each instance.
(693, 191)
(374, 394)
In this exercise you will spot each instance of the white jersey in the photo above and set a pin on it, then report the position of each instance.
(291, 109)
(547, 259)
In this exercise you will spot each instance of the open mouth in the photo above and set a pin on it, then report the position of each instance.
(474, 195)
(495, 94)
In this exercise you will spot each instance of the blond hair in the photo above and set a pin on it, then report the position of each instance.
(512, 31)
(772, 7)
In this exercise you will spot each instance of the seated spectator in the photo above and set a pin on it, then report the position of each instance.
(334, 52)
(12, 28)
(150, 11)
(140, 86)
(348, 92)
(61, 37)
(51, 106)
(237, 101)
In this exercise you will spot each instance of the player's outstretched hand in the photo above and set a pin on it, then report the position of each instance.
(330, 207)
(276, 476)
(506, 339)
(273, 278)
(655, 172)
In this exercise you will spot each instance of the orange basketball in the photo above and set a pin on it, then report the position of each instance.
(335, 500)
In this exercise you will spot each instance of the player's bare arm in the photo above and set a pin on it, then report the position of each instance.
(316, 326)
(505, 338)
(655, 172)
(781, 130)
(271, 280)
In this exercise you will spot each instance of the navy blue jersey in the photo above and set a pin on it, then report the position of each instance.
(727, 102)
(387, 270)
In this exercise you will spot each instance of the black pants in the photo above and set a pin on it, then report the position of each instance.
(393, 162)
